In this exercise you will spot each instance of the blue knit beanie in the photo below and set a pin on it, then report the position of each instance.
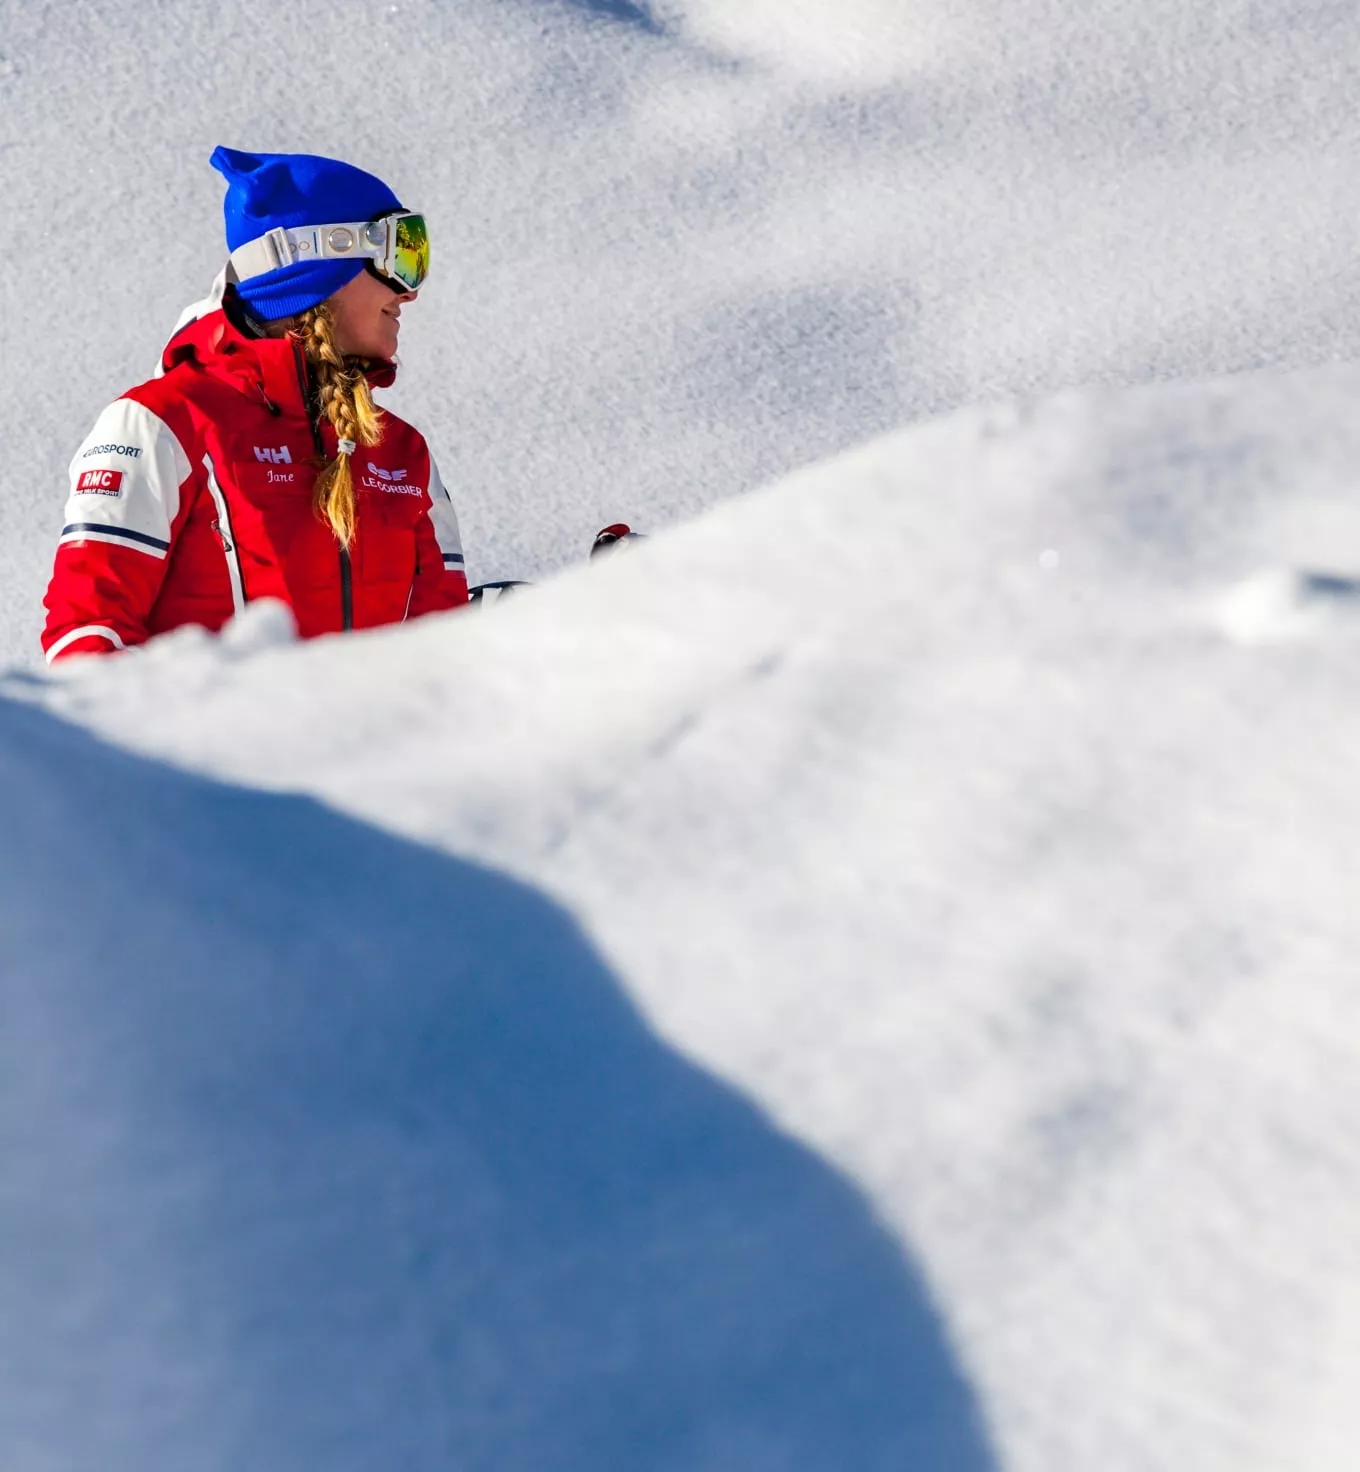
(266, 190)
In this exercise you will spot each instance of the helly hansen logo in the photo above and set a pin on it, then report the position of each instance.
(100, 483)
(273, 457)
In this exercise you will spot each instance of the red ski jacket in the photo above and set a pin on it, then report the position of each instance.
(193, 494)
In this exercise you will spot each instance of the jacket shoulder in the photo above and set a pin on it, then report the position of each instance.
(170, 398)
(168, 389)
(146, 431)
(401, 431)
(402, 441)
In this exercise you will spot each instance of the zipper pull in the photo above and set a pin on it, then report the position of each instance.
(221, 536)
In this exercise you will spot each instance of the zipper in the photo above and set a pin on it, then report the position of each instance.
(222, 526)
(411, 591)
(313, 419)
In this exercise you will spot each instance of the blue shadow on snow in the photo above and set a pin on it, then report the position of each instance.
(624, 10)
(323, 1149)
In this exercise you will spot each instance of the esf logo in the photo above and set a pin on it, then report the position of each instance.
(273, 457)
(390, 480)
(100, 483)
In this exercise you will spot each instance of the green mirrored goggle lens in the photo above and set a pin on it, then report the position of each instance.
(409, 254)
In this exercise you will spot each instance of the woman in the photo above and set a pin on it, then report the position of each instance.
(256, 464)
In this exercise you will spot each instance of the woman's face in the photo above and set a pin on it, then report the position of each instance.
(367, 317)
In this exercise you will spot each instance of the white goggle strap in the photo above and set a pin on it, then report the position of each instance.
(346, 241)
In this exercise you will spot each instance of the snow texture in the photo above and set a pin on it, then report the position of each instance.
(352, 1154)
(862, 979)
(685, 246)
(929, 800)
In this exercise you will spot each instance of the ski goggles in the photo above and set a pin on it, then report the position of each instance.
(395, 247)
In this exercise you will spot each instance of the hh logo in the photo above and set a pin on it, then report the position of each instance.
(100, 483)
(274, 457)
(388, 475)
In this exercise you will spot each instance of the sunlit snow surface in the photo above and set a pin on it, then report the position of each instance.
(684, 246)
(863, 981)
(980, 807)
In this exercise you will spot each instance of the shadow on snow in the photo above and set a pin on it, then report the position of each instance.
(323, 1149)
(624, 10)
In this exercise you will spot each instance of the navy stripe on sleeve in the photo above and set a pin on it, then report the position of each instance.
(115, 531)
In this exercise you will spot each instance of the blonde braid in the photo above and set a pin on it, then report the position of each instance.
(347, 402)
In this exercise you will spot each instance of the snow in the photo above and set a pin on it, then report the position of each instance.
(1011, 889)
(683, 248)
(353, 1154)
(861, 979)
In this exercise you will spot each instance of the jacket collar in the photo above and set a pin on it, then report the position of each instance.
(270, 370)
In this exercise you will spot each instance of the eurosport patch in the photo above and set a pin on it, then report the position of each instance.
(100, 483)
(135, 451)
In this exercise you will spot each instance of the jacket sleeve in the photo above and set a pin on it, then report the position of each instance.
(128, 480)
(441, 575)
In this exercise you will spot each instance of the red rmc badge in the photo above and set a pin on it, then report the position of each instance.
(102, 482)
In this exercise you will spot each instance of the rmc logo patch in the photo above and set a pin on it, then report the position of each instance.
(100, 483)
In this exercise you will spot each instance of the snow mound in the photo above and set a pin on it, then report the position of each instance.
(919, 799)
(324, 1149)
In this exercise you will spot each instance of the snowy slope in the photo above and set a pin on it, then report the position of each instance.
(980, 805)
(326, 1150)
(684, 246)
